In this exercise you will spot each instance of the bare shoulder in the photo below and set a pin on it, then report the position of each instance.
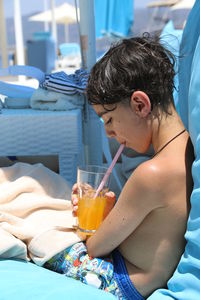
(151, 174)
(151, 180)
(145, 187)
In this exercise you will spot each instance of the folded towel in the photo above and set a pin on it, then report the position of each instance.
(36, 220)
(17, 102)
(49, 100)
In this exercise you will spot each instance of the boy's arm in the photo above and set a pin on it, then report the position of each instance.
(140, 196)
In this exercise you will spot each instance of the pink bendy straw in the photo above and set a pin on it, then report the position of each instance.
(109, 171)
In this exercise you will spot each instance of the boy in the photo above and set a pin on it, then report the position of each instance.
(131, 88)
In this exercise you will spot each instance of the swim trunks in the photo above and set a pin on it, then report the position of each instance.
(107, 273)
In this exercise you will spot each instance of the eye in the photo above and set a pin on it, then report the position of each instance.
(109, 121)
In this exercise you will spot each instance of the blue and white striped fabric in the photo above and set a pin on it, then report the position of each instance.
(66, 84)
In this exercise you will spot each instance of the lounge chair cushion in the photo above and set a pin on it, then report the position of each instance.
(184, 285)
(171, 39)
(20, 280)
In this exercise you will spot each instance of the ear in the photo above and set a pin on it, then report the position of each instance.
(141, 104)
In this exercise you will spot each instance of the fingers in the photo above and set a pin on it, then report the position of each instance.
(75, 210)
(75, 188)
(110, 197)
(74, 199)
(110, 194)
(110, 202)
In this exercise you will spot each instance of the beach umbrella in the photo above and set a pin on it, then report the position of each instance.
(156, 15)
(162, 3)
(183, 4)
(64, 14)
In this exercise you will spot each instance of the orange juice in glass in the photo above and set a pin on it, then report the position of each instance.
(90, 209)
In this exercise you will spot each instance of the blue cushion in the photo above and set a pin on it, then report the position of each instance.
(189, 39)
(171, 38)
(185, 283)
(20, 280)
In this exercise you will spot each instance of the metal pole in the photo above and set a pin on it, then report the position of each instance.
(91, 125)
(87, 33)
(18, 33)
(4, 53)
(54, 29)
(46, 24)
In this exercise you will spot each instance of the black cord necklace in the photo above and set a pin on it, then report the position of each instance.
(169, 142)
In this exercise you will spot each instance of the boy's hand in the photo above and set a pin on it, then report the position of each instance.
(74, 198)
(110, 200)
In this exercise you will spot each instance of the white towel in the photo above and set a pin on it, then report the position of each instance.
(36, 220)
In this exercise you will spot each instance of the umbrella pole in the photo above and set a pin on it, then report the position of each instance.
(54, 27)
(20, 55)
(46, 24)
(87, 33)
(4, 53)
(91, 124)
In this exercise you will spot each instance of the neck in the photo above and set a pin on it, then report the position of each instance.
(165, 128)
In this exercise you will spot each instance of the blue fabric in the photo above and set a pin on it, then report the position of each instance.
(185, 283)
(189, 40)
(171, 38)
(113, 17)
(122, 278)
(21, 281)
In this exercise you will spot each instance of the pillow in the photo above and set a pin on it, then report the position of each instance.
(20, 280)
(185, 283)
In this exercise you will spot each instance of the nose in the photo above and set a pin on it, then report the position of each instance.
(110, 133)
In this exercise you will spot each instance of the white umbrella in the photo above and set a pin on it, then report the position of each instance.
(64, 14)
(162, 3)
(183, 4)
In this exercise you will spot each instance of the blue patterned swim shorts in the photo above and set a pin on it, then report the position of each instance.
(74, 262)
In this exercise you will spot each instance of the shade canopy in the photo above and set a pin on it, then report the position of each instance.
(183, 4)
(113, 18)
(64, 14)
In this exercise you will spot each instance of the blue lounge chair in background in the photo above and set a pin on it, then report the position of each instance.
(70, 55)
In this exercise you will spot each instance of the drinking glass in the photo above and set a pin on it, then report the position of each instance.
(90, 208)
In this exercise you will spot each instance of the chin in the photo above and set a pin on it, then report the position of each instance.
(138, 150)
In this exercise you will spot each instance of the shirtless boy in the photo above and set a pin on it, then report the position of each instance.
(131, 88)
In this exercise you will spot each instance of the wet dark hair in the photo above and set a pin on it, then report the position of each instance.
(138, 63)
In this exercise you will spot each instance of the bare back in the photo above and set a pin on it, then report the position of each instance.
(154, 248)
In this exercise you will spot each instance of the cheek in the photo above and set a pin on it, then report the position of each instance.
(122, 129)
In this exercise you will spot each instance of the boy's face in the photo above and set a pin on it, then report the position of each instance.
(124, 125)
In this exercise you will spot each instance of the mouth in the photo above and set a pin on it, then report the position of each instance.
(123, 143)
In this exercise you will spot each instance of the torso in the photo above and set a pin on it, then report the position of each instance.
(153, 250)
